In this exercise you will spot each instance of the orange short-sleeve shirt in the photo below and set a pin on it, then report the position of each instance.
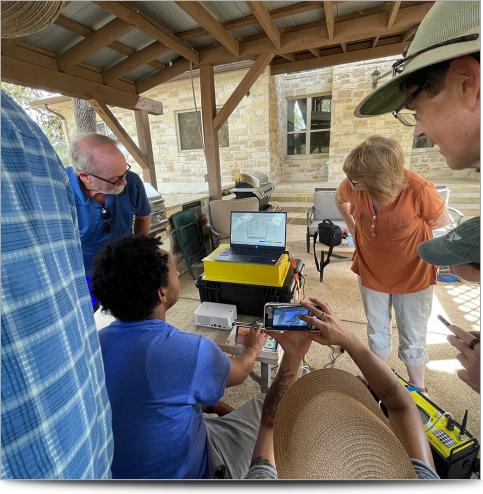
(386, 256)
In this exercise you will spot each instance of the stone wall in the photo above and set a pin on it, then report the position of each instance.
(258, 128)
(311, 83)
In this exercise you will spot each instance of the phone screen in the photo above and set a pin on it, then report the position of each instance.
(284, 317)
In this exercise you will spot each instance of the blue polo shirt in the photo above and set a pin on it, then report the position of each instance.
(156, 377)
(133, 201)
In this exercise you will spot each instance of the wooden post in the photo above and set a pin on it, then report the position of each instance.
(145, 145)
(212, 150)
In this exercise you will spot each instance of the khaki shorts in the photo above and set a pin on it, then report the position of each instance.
(231, 440)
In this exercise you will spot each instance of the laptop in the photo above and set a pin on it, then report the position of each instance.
(257, 237)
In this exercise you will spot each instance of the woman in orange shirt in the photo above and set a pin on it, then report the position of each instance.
(389, 211)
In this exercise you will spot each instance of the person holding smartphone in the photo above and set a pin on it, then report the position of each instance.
(327, 425)
(460, 250)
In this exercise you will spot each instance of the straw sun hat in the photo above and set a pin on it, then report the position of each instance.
(328, 426)
(23, 18)
(449, 30)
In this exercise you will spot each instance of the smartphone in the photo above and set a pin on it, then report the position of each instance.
(285, 317)
(444, 321)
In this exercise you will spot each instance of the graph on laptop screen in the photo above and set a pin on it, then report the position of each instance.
(258, 229)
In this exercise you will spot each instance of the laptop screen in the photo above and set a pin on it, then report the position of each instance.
(258, 228)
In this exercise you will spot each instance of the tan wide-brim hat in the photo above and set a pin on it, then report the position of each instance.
(328, 426)
(445, 21)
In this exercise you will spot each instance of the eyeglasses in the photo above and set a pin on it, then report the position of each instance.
(106, 220)
(399, 65)
(408, 118)
(113, 182)
(352, 182)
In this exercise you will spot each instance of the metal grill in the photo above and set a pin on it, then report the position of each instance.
(159, 222)
(254, 184)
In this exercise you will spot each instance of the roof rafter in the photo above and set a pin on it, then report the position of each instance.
(128, 14)
(393, 13)
(340, 58)
(329, 19)
(250, 20)
(81, 29)
(164, 75)
(266, 22)
(211, 25)
(93, 42)
(140, 57)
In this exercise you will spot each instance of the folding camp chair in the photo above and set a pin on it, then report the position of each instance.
(189, 237)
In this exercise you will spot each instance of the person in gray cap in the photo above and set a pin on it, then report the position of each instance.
(435, 88)
(460, 250)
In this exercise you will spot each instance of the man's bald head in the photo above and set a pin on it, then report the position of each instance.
(84, 149)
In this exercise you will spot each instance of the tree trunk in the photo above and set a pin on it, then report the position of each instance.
(84, 116)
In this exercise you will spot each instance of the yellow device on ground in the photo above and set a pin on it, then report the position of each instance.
(454, 448)
(244, 273)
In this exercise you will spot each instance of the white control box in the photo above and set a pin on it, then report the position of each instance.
(213, 315)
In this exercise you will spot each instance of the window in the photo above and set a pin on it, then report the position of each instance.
(189, 131)
(422, 142)
(308, 131)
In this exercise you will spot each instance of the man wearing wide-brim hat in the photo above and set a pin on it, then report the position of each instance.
(435, 88)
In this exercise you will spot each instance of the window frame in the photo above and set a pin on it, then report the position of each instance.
(309, 123)
(178, 135)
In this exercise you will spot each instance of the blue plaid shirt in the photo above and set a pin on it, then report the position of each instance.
(56, 417)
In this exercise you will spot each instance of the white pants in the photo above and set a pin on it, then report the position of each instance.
(412, 314)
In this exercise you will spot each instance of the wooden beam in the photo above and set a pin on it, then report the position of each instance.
(266, 22)
(78, 28)
(149, 27)
(196, 11)
(410, 33)
(117, 129)
(246, 83)
(163, 76)
(374, 41)
(329, 19)
(327, 61)
(315, 52)
(94, 42)
(146, 146)
(344, 47)
(391, 18)
(250, 20)
(139, 58)
(288, 56)
(27, 74)
(152, 106)
(212, 150)
(315, 37)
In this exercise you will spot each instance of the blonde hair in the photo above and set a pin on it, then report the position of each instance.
(379, 163)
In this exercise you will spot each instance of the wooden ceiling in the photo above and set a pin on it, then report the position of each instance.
(377, 30)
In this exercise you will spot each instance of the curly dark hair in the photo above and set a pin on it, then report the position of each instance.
(127, 276)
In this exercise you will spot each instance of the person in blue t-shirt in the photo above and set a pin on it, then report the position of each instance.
(107, 196)
(160, 378)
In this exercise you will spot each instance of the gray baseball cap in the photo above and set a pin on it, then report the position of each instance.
(459, 246)
(449, 30)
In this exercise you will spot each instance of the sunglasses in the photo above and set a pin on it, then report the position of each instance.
(106, 220)
(112, 182)
(398, 66)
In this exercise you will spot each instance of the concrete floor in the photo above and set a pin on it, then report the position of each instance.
(458, 302)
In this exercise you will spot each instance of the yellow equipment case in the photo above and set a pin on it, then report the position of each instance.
(250, 298)
(244, 273)
(454, 449)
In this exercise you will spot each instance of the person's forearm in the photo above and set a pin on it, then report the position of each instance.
(344, 210)
(241, 366)
(141, 225)
(380, 377)
(286, 376)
